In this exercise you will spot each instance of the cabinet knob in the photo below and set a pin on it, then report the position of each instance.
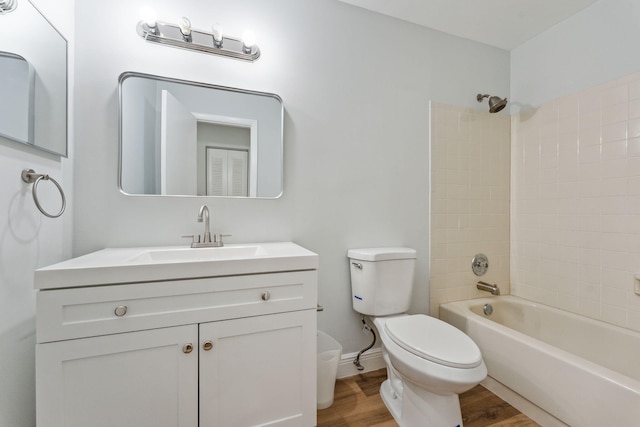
(187, 348)
(208, 345)
(265, 296)
(120, 310)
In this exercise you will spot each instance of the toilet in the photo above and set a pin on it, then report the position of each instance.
(429, 362)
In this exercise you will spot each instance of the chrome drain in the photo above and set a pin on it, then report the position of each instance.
(487, 309)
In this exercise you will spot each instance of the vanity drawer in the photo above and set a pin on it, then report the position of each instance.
(100, 310)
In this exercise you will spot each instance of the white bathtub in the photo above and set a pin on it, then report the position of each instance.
(581, 371)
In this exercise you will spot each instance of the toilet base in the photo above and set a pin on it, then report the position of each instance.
(421, 408)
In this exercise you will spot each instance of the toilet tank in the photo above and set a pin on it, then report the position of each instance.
(381, 280)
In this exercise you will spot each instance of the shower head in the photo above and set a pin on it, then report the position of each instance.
(495, 103)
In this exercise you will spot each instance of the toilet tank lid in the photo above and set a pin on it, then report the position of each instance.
(381, 254)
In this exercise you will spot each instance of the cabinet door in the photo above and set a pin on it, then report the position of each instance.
(134, 379)
(260, 371)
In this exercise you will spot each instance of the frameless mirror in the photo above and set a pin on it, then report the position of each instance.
(33, 93)
(193, 139)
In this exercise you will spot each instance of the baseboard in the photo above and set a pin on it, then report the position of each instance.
(371, 360)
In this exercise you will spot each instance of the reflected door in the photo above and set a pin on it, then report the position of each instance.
(227, 172)
(178, 147)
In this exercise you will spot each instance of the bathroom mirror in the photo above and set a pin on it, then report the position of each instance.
(33, 93)
(193, 139)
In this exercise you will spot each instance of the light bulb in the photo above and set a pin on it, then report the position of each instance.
(248, 39)
(218, 32)
(185, 26)
(148, 16)
(7, 6)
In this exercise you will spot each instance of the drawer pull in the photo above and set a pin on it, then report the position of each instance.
(208, 345)
(120, 310)
(187, 348)
(265, 296)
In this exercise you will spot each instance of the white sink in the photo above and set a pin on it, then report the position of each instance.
(132, 265)
(200, 254)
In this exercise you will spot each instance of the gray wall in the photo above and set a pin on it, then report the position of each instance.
(356, 88)
(28, 241)
(593, 47)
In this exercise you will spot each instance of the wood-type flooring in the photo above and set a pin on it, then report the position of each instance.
(357, 403)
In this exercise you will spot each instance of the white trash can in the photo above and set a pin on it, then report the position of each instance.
(329, 352)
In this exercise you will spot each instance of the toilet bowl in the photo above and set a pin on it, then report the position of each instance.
(429, 362)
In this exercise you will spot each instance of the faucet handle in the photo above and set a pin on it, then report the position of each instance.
(195, 238)
(217, 238)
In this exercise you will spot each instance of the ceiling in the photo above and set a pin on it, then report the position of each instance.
(501, 23)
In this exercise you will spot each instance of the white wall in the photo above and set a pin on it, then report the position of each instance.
(575, 215)
(595, 46)
(356, 88)
(470, 170)
(28, 241)
(575, 164)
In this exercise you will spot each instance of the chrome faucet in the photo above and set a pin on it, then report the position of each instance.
(484, 286)
(204, 212)
(207, 242)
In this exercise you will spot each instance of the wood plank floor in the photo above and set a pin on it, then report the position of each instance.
(357, 403)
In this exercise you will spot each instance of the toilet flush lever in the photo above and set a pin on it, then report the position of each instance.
(357, 265)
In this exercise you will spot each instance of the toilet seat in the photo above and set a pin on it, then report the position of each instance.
(434, 340)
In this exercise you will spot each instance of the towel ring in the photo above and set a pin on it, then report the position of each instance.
(31, 177)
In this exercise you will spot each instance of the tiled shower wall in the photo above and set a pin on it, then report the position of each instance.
(470, 171)
(575, 220)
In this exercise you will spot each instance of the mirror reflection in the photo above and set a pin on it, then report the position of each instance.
(187, 138)
(33, 66)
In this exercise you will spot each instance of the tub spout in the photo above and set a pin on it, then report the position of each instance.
(483, 286)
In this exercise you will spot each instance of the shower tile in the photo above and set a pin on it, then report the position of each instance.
(633, 319)
(634, 227)
(633, 147)
(633, 129)
(633, 166)
(476, 191)
(615, 113)
(616, 94)
(615, 186)
(568, 302)
(614, 242)
(589, 135)
(634, 89)
(589, 154)
(633, 206)
(569, 107)
(614, 131)
(589, 308)
(615, 260)
(614, 168)
(590, 100)
(614, 205)
(633, 186)
(634, 108)
(614, 314)
(590, 222)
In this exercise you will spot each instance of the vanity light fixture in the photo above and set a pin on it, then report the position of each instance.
(185, 29)
(248, 41)
(7, 6)
(217, 32)
(185, 37)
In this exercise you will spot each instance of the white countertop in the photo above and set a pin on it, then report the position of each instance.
(146, 264)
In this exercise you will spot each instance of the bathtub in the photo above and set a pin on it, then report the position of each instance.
(580, 371)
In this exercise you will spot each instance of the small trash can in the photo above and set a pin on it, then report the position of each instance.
(329, 352)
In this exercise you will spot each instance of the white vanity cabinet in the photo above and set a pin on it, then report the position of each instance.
(218, 351)
(133, 379)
